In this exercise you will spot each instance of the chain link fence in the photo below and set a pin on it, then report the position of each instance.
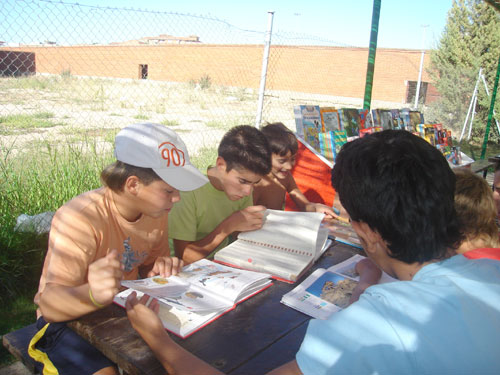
(70, 71)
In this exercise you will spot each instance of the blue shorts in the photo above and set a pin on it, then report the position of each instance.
(58, 348)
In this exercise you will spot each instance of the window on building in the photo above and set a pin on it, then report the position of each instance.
(411, 90)
(143, 71)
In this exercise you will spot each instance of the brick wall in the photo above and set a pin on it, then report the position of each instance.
(335, 71)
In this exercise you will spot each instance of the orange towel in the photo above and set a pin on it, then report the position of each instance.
(313, 177)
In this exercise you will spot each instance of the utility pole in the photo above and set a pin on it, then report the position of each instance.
(419, 81)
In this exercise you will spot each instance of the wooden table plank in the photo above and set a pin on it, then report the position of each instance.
(280, 352)
(481, 166)
(228, 343)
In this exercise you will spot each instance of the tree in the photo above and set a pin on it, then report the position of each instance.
(470, 41)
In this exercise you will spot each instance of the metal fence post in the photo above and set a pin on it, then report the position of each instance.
(265, 60)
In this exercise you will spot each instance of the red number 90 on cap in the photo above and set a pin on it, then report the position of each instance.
(171, 154)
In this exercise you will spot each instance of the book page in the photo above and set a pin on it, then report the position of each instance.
(201, 286)
(229, 282)
(175, 292)
(322, 242)
(263, 259)
(286, 230)
(327, 291)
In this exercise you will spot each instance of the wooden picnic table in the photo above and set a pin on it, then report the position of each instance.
(257, 336)
(494, 159)
(482, 166)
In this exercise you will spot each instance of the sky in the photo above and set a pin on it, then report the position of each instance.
(412, 24)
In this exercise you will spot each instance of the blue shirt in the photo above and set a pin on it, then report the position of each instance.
(444, 321)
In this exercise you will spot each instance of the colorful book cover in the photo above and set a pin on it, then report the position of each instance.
(326, 142)
(350, 121)
(363, 132)
(405, 116)
(339, 139)
(329, 119)
(415, 119)
(421, 130)
(306, 114)
(330, 138)
(376, 117)
(430, 134)
(311, 135)
(322, 149)
(364, 121)
(386, 119)
(397, 123)
(373, 129)
(439, 134)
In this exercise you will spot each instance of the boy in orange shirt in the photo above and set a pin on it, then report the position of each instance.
(271, 190)
(116, 232)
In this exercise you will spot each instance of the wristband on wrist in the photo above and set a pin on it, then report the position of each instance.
(94, 302)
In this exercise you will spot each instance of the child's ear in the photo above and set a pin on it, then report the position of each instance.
(132, 185)
(220, 163)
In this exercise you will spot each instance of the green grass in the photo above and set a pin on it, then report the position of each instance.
(32, 183)
(204, 158)
(88, 136)
(170, 123)
(51, 83)
(226, 125)
(12, 123)
(215, 124)
(140, 116)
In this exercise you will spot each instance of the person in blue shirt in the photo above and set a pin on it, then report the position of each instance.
(441, 317)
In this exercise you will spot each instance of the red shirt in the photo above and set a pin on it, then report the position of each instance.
(491, 253)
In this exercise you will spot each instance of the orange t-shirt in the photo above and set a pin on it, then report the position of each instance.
(87, 228)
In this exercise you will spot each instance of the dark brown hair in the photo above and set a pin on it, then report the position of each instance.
(280, 138)
(115, 175)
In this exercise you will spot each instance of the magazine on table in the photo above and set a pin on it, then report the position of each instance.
(286, 246)
(199, 294)
(327, 291)
(342, 232)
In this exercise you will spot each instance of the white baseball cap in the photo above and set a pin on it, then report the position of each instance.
(157, 147)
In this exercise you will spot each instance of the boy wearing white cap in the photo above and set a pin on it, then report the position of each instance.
(116, 232)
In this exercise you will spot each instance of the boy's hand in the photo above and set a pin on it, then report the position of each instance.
(166, 266)
(250, 218)
(369, 274)
(324, 209)
(144, 319)
(105, 275)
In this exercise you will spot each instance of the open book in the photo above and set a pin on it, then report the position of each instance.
(198, 295)
(327, 291)
(286, 246)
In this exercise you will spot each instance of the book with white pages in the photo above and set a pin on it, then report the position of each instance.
(286, 245)
(199, 294)
(327, 291)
